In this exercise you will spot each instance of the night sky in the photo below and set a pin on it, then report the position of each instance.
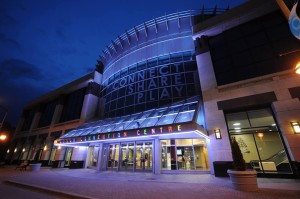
(46, 44)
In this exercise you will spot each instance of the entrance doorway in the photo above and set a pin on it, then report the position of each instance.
(113, 157)
(68, 156)
(93, 156)
(144, 157)
(129, 156)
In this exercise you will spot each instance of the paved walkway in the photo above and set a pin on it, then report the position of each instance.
(86, 183)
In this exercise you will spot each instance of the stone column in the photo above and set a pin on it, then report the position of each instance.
(218, 150)
(100, 159)
(90, 102)
(36, 118)
(157, 156)
(58, 110)
(21, 121)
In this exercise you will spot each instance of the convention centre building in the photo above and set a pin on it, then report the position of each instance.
(168, 96)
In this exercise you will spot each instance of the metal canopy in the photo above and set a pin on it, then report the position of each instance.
(179, 112)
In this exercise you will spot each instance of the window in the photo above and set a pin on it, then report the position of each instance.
(28, 119)
(259, 140)
(47, 113)
(184, 154)
(72, 106)
(147, 85)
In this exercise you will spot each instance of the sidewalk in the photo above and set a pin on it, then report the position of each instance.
(87, 183)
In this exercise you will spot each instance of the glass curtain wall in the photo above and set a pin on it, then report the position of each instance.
(259, 139)
(184, 154)
(151, 84)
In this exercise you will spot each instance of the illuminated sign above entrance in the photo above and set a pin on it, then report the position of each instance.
(168, 129)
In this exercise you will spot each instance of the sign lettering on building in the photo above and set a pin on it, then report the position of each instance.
(127, 134)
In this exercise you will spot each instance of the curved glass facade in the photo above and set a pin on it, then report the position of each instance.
(150, 66)
(151, 84)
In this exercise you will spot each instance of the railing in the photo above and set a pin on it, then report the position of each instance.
(275, 159)
(159, 20)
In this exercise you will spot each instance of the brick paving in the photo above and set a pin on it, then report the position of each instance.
(88, 183)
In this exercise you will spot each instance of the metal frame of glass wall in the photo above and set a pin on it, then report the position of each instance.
(133, 156)
(184, 155)
(259, 140)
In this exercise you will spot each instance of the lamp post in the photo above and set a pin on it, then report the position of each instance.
(5, 114)
(3, 136)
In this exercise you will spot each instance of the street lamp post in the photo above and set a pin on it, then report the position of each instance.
(5, 114)
(3, 136)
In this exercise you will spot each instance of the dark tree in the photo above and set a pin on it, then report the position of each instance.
(239, 163)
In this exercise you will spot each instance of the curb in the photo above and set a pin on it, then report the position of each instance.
(46, 190)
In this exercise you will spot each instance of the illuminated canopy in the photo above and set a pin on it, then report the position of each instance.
(177, 113)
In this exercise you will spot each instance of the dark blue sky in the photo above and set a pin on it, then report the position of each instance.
(46, 44)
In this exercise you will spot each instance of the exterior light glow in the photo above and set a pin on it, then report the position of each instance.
(218, 134)
(296, 127)
(236, 124)
(59, 147)
(23, 150)
(7, 151)
(15, 150)
(260, 135)
(3, 137)
(297, 68)
(45, 147)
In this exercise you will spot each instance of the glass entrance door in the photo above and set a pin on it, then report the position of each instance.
(148, 156)
(144, 157)
(93, 156)
(113, 156)
(127, 156)
(68, 156)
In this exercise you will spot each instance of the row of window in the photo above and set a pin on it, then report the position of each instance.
(151, 99)
(151, 88)
(177, 80)
(162, 60)
(253, 49)
(72, 105)
(140, 107)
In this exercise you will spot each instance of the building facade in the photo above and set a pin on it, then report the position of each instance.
(250, 91)
(50, 116)
(173, 93)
